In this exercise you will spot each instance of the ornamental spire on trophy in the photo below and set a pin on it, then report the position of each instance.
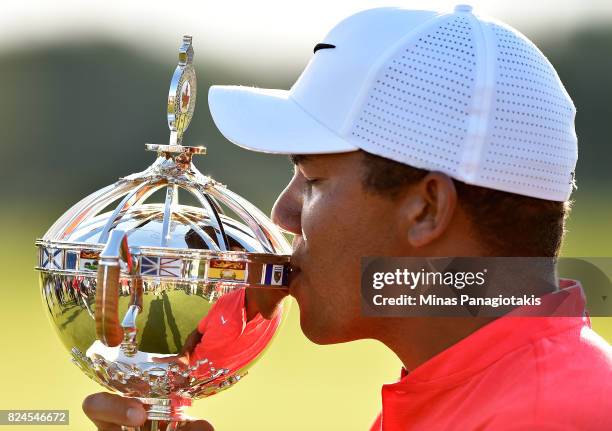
(182, 94)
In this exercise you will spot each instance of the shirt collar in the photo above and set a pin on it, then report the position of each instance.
(565, 309)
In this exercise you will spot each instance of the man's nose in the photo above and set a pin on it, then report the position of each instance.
(287, 210)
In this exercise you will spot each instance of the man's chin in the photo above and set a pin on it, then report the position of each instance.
(320, 333)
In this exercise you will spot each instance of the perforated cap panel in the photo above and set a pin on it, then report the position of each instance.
(417, 111)
(532, 141)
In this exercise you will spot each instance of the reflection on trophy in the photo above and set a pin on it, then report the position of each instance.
(163, 301)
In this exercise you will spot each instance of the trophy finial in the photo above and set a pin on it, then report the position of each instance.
(182, 94)
(186, 51)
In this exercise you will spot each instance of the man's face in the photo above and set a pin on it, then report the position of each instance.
(336, 222)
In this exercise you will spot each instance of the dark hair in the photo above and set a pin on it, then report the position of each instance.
(507, 224)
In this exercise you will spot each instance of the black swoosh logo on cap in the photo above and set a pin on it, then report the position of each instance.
(319, 46)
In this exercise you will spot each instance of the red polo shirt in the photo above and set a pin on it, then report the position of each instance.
(515, 373)
(228, 339)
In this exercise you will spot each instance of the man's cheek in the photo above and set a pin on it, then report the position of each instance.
(313, 222)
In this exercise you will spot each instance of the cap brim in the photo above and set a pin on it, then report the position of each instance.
(270, 121)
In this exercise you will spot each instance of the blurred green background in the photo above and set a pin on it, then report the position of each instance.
(75, 115)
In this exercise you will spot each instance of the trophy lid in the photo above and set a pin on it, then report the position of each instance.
(222, 226)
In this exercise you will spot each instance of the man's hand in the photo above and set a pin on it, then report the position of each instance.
(109, 412)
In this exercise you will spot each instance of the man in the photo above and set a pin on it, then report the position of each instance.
(422, 134)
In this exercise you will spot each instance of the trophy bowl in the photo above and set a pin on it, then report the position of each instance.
(165, 302)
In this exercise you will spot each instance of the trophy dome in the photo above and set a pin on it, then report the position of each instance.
(220, 224)
(218, 220)
(124, 205)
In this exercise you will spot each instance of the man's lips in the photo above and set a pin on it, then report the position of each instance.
(296, 267)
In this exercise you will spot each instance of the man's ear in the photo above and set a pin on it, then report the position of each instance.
(428, 209)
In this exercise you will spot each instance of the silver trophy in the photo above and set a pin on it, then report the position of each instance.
(163, 301)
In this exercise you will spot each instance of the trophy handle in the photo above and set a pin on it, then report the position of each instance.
(108, 329)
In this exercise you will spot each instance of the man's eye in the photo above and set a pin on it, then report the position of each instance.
(309, 183)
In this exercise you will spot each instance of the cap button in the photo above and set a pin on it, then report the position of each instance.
(463, 8)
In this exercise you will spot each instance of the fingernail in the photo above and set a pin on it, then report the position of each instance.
(136, 416)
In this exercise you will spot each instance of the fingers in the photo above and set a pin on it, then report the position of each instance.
(108, 411)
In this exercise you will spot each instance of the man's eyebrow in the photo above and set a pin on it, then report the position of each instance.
(296, 159)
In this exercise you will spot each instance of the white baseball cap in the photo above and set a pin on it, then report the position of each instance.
(450, 92)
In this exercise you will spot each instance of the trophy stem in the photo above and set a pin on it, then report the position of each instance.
(163, 409)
